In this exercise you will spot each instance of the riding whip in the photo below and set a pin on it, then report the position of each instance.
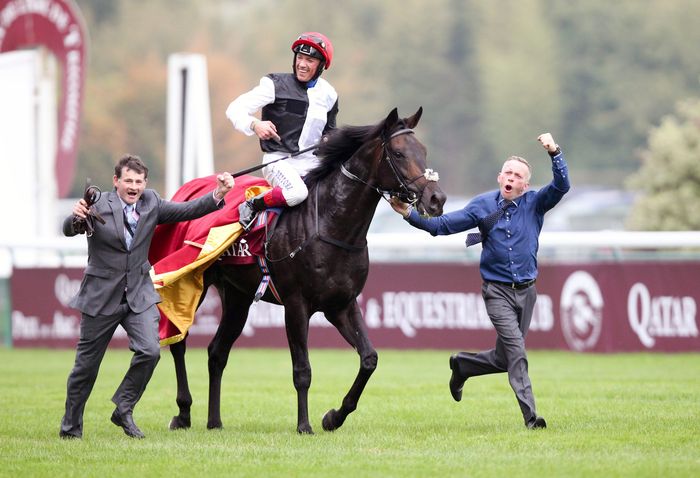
(290, 155)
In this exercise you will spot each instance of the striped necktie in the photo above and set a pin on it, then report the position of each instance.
(487, 224)
(130, 223)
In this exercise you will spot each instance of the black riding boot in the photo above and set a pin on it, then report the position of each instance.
(249, 209)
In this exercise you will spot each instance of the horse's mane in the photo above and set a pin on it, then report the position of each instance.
(340, 144)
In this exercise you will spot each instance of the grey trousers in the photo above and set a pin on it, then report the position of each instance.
(510, 311)
(95, 334)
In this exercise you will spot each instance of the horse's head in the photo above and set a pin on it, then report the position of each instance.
(386, 157)
(403, 171)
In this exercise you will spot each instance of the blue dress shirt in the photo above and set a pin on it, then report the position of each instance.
(510, 249)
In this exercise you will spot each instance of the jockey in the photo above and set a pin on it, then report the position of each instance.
(297, 110)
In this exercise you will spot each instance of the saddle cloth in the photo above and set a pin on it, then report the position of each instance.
(181, 252)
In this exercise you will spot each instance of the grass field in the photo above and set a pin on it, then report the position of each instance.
(608, 415)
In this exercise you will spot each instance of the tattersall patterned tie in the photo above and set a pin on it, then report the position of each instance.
(130, 223)
(487, 224)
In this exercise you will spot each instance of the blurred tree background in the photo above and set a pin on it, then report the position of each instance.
(490, 76)
(670, 174)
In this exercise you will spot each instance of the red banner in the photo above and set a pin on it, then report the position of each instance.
(58, 26)
(620, 307)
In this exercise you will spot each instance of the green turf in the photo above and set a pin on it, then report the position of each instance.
(608, 415)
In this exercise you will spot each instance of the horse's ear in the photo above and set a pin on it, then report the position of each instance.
(413, 120)
(391, 120)
(389, 123)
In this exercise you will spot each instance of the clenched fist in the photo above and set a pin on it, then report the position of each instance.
(548, 142)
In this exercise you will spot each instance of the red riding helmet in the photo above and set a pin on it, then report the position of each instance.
(316, 45)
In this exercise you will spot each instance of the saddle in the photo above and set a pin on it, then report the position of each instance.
(251, 244)
(250, 247)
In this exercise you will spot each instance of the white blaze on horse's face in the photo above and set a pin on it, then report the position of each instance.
(305, 67)
(130, 185)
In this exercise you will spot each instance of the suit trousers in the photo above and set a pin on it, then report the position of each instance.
(510, 311)
(95, 335)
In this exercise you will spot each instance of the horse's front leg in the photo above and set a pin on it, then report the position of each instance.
(351, 326)
(296, 319)
(184, 397)
(235, 308)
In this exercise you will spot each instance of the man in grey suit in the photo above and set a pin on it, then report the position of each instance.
(117, 288)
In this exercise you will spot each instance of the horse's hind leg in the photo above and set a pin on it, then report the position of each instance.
(184, 397)
(235, 307)
(351, 326)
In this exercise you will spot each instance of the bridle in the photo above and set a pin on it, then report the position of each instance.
(403, 193)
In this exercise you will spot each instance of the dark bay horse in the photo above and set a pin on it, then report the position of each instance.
(318, 259)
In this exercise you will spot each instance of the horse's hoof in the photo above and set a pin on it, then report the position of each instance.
(332, 420)
(179, 423)
(305, 430)
(214, 425)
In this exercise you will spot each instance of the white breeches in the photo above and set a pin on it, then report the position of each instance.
(286, 177)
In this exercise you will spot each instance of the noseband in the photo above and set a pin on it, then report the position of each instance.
(403, 193)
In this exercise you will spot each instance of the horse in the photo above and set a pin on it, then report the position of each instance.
(328, 248)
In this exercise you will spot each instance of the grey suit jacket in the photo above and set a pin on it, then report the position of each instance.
(112, 268)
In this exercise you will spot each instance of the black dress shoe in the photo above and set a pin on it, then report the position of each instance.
(246, 215)
(126, 421)
(456, 380)
(538, 422)
(68, 436)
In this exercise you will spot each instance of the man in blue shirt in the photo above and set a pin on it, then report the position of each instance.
(509, 220)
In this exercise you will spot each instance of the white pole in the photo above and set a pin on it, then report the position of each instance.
(189, 141)
(47, 130)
